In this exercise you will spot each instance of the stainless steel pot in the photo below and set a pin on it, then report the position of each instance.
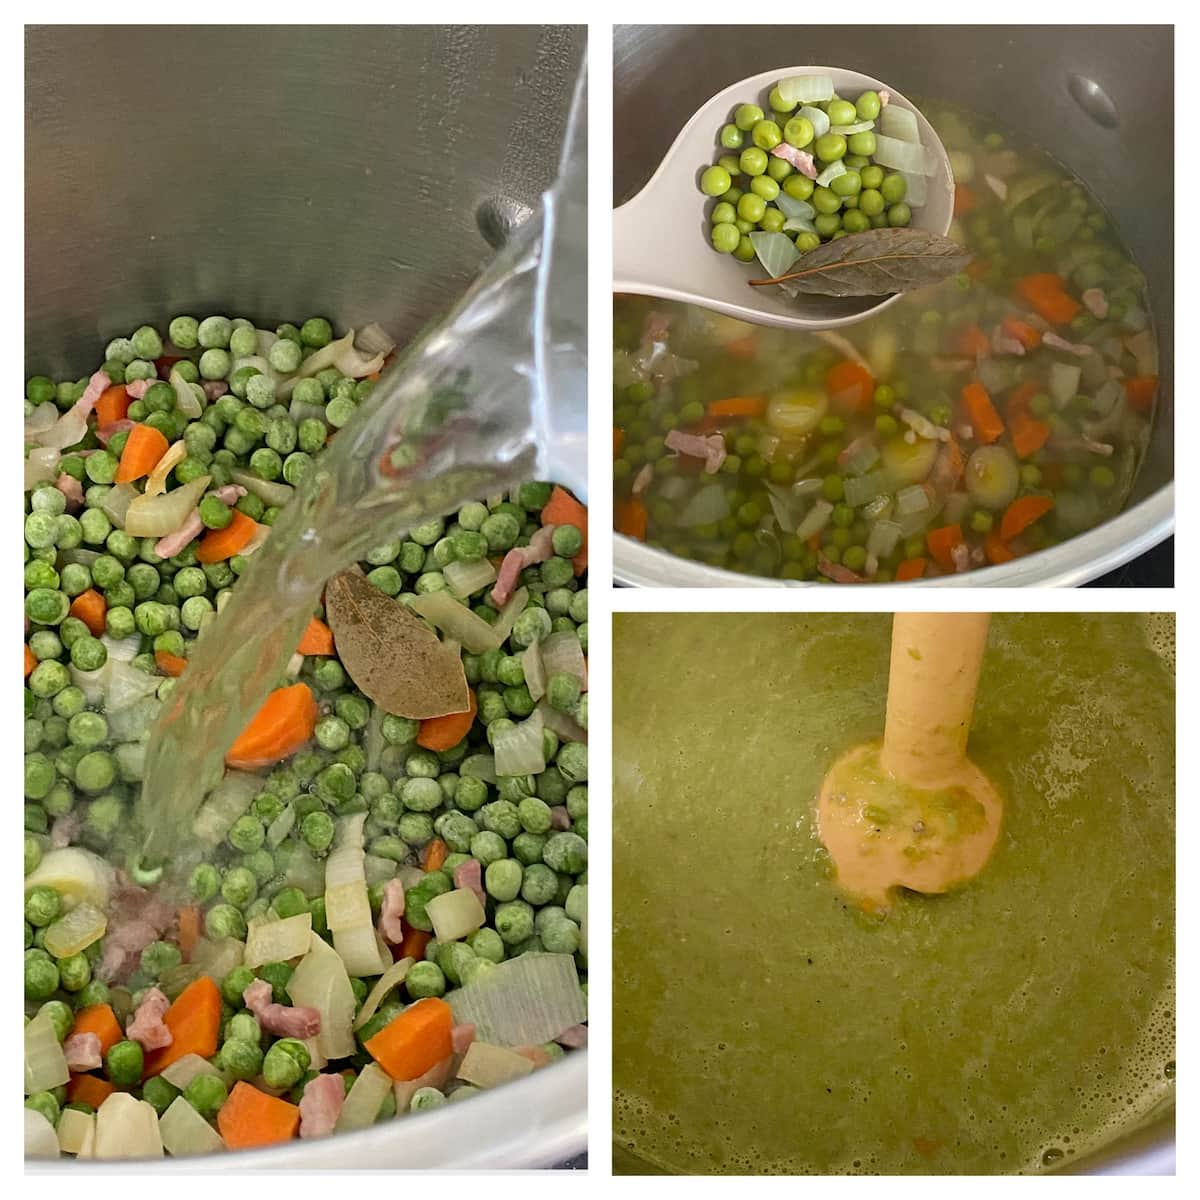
(1099, 98)
(276, 172)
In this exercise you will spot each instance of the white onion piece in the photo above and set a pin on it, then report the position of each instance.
(516, 605)
(157, 516)
(258, 539)
(360, 951)
(855, 127)
(391, 978)
(227, 801)
(488, 1066)
(257, 361)
(115, 504)
(45, 1063)
(519, 751)
(277, 494)
(535, 672)
(709, 505)
(776, 251)
(912, 499)
(859, 489)
(781, 506)
(374, 339)
(156, 483)
(883, 539)
(791, 207)
(40, 1139)
(321, 982)
(77, 875)
(799, 225)
(185, 397)
(479, 766)
(916, 191)
(815, 519)
(76, 930)
(831, 172)
(266, 339)
(134, 721)
(563, 654)
(126, 685)
(123, 649)
(41, 466)
(346, 901)
(818, 118)
(455, 914)
(184, 1131)
(899, 123)
(127, 1128)
(364, 1099)
(561, 724)
(804, 89)
(340, 354)
(69, 429)
(903, 156)
(40, 419)
(183, 1070)
(278, 941)
(465, 578)
(457, 621)
(75, 1131)
(305, 872)
(1064, 382)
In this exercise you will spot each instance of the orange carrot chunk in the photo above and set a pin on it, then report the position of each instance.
(941, 543)
(1022, 331)
(910, 568)
(1022, 513)
(1047, 295)
(169, 664)
(195, 1024)
(283, 724)
(434, 855)
(252, 1118)
(408, 1045)
(317, 639)
(143, 448)
(30, 662)
(1140, 391)
(618, 440)
(102, 1021)
(441, 733)
(995, 549)
(189, 930)
(414, 942)
(563, 509)
(738, 406)
(631, 518)
(970, 340)
(851, 387)
(964, 199)
(89, 1089)
(91, 609)
(985, 420)
(220, 544)
(113, 405)
(1029, 434)
(744, 347)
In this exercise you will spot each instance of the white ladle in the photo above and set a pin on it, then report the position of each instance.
(661, 237)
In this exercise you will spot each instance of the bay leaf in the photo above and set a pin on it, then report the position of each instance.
(393, 657)
(878, 262)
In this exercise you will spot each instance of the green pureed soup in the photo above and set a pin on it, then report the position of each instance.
(763, 1024)
(976, 421)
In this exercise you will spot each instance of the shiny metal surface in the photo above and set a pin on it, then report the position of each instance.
(278, 172)
(1098, 98)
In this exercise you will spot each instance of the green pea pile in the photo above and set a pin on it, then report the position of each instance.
(83, 765)
(747, 179)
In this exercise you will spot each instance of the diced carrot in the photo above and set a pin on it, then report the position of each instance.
(965, 199)
(113, 405)
(910, 568)
(91, 1090)
(441, 733)
(618, 440)
(1021, 396)
(280, 727)
(1022, 331)
(850, 386)
(317, 639)
(91, 609)
(219, 544)
(1029, 434)
(434, 855)
(1047, 294)
(744, 347)
(631, 518)
(195, 1024)
(409, 1044)
(143, 448)
(985, 420)
(170, 664)
(977, 268)
(996, 550)
(252, 1118)
(189, 930)
(414, 942)
(30, 662)
(941, 543)
(970, 340)
(1140, 391)
(738, 406)
(563, 509)
(1022, 513)
(102, 1021)
(375, 376)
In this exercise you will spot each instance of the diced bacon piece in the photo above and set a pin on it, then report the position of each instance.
(281, 1019)
(321, 1105)
(214, 389)
(169, 546)
(64, 829)
(656, 326)
(885, 97)
(95, 388)
(802, 162)
(711, 448)
(922, 425)
(137, 388)
(468, 877)
(82, 1051)
(105, 433)
(643, 479)
(391, 913)
(1061, 343)
(147, 1027)
(535, 1054)
(135, 919)
(853, 448)
(559, 817)
(961, 557)
(837, 572)
(1096, 302)
(1003, 344)
(574, 1037)
(461, 1037)
(71, 488)
(540, 548)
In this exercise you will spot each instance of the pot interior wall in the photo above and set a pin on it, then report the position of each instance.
(1021, 75)
(275, 172)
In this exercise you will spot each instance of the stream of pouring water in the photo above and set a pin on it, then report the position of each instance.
(486, 399)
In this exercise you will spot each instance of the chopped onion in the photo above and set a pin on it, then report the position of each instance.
(831, 172)
(488, 1066)
(38, 421)
(123, 649)
(818, 118)
(184, 1131)
(217, 958)
(227, 801)
(127, 1128)
(880, 507)
(558, 722)
(41, 466)
(863, 458)
(916, 191)
(791, 207)
(277, 494)
(562, 654)
(346, 902)
(76, 1130)
(115, 504)
(520, 750)
(516, 605)
(277, 941)
(40, 1139)
(479, 766)
(457, 621)
(804, 89)
(76, 874)
(281, 826)
(341, 354)
(374, 339)
(266, 339)
(900, 123)
(465, 578)
(709, 505)
(321, 982)
(1107, 397)
(883, 539)
(781, 506)
(535, 673)
(856, 127)
(815, 520)
(75, 930)
(156, 516)
(903, 156)
(68, 430)
(185, 395)
(525, 1001)
(258, 539)
(1064, 382)
(858, 489)
(455, 914)
(359, 948)
(156, 484)
(45, 1063)
(191, 1066)
(364, 1099)
(305, 872)
(391, 978)
(798, 225)
(776, 251)
(912, 499)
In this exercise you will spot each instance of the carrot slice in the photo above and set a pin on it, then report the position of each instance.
(195, 1024)
(414, 942)
(252, 1118)
(850, 386)
(563, 509)
(970, 340)
(440, 733)
(90, 608)
(996, 550)
(618, 440)
(1024, 333)
(631, 518)
(419, 1038)
(1029, 434)
(113, 405)
(1140, 391)
(30, 662)
(317, 639)
(102, 1021)
(910, 568)
(965, 199)
(1022, 513)
(169, 664)
(283, 724)
(985, 420)
(434, 855)
(941, 543)
(91, 1090)
(143, 448)
(189, 930)
(744, 347)
(220, 544)
(1047, 294)
(738, 406)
